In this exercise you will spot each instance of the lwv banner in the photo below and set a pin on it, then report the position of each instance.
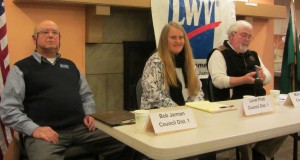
(205, 21)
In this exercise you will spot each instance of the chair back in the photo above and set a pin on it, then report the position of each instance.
(210, 90)
(215, 94)
(138, 92)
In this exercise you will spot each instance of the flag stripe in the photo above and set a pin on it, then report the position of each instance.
(2, 15)
(6, 133)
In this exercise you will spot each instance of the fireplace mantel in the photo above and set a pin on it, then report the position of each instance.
(97, 9)
(118, 3)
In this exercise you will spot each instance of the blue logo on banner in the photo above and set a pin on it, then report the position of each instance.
(198, 19)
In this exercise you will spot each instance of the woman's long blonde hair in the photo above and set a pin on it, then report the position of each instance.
(169, 61)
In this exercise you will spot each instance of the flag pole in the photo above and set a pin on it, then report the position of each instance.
(295, 65)
(295, 45)
(293, 75)
(288, 75)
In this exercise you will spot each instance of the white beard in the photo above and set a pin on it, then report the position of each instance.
(244, 48)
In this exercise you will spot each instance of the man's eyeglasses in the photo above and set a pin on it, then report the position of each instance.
(245, 35)
(47, 33)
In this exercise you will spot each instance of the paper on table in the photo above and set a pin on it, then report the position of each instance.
(211, 107)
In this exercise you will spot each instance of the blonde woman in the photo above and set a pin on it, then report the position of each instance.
(170, 77)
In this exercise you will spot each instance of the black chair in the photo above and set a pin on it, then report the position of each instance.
(211, 98)
(72, 153)
(210, 90)
(138, 92)
(296, 138)
(138, 95)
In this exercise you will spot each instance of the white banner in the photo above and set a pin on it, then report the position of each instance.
(205, 21)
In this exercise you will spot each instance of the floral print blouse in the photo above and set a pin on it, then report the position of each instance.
(155, 93)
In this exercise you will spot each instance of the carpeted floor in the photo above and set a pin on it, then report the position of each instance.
(284, 153)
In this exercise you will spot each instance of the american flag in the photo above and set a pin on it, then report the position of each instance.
(5, 132)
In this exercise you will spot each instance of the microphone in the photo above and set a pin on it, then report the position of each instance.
(257, 82)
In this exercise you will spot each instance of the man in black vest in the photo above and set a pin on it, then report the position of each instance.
(236, 71)
(48, 99)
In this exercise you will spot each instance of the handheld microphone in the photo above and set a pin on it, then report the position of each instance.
(257, 82)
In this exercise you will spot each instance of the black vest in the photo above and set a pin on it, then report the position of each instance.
(52, 92)
(237, 65)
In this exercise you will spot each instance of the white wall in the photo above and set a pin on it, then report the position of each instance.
(280, 25)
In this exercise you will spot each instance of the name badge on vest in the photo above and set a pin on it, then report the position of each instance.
(65, 66)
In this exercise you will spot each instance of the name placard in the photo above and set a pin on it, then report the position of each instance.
(257, 105)
(293, 98)
(175, 120)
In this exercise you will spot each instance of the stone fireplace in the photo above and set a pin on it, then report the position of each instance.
(105, 61)
(136, 53)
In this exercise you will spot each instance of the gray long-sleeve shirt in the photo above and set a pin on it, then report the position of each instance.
(13, 94)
